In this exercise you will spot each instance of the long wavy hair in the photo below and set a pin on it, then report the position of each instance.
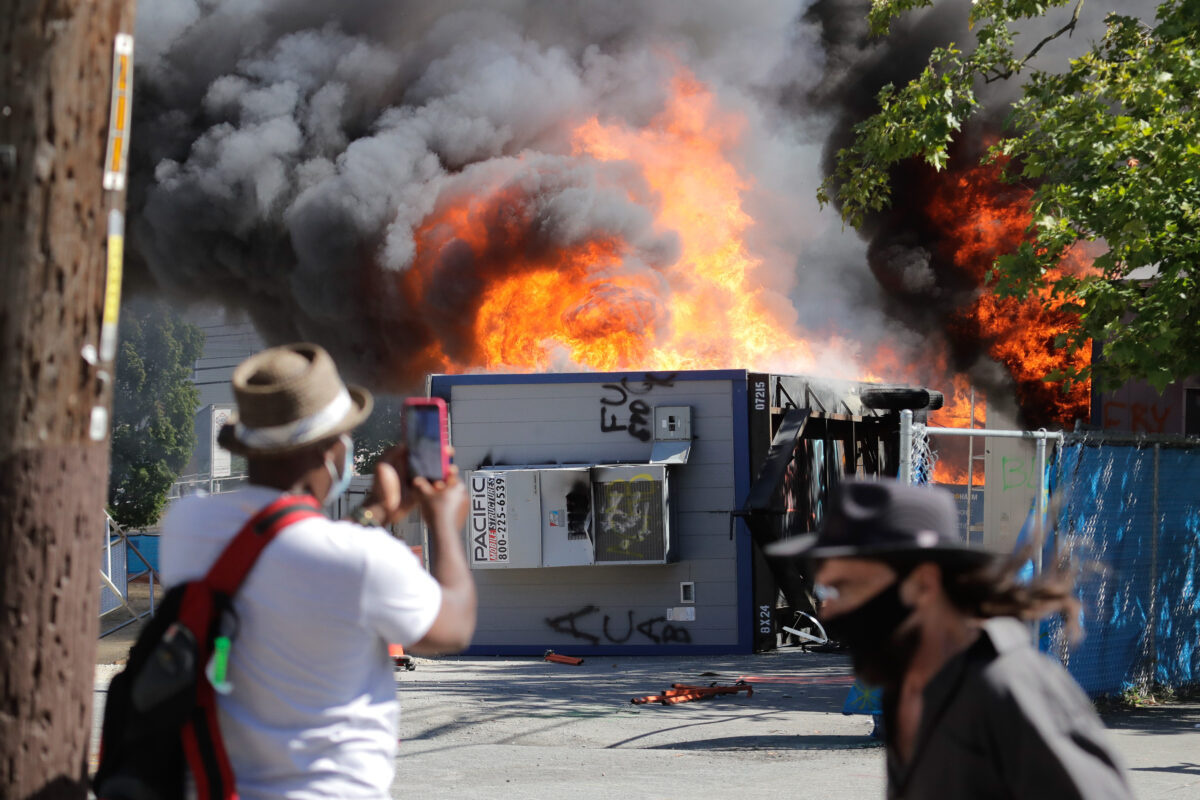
(1000, 589)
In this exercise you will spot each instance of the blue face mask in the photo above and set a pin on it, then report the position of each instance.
(341, 482)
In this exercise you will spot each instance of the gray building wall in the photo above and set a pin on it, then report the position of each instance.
(1138, 407)
(228, 340)
(608, 608)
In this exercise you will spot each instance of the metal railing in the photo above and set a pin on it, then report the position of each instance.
(203, 482)
(115, 577)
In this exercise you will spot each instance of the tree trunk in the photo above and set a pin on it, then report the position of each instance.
(55, 84)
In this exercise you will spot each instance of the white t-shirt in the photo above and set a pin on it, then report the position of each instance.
(313, 712)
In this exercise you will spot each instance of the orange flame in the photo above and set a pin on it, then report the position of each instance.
(979, 218)
(578, 305)
(965, 407)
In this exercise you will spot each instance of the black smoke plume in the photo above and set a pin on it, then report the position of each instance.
(289, 155)
(290, 151)
(924, 286)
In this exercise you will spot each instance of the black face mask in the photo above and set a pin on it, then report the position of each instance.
(880, 656)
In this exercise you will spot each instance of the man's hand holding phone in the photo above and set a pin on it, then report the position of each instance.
(395, 493)
(418, 470)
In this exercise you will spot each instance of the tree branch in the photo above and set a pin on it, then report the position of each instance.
(1065, 29)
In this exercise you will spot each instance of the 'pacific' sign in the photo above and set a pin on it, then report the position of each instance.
(489, 519)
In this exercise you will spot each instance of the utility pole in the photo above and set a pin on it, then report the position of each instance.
(56, 89)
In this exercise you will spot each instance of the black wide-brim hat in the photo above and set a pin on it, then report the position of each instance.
(887, 520)
(290, 398)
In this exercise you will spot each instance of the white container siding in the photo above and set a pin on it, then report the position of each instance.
(536, 420)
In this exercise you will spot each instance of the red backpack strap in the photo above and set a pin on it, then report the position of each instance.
(203, 744)
(234, 564)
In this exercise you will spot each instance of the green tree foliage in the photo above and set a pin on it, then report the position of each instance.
(1109, 143)
(154, 409)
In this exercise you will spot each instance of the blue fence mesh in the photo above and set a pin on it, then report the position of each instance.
(1131, 512)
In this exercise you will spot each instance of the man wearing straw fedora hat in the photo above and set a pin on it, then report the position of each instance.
(971, 709)
(309, 708)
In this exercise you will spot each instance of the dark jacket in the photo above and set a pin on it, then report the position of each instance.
(1002, 720)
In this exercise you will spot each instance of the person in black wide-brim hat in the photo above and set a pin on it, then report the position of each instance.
(971, 709)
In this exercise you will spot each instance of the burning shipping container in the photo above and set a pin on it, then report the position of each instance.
(625, 512)
(541, 189)
(558, 191)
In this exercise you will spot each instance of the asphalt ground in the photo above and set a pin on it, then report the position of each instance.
(528, 728)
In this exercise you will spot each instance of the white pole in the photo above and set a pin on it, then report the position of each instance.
(1041, 506)
(970, 464)
(1039, 540)
(906, 422)
(993, 433)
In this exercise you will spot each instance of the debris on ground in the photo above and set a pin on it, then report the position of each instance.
(400, 659)
(684, 693)
(560, 659)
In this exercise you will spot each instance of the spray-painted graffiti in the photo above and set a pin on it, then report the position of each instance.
(627, 513)
(656, 629)
(617, 397)
(1019, 473)
(637, 424)
(1137, 417)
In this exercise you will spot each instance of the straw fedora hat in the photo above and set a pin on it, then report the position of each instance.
(289, 398)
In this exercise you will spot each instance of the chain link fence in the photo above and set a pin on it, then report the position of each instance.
(1130, 512)
(123, 562)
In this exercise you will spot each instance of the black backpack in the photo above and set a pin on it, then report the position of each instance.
(160, 718)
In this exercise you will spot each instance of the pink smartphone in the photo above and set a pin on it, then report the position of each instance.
(426, 429)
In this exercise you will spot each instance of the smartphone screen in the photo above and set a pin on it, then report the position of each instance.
(423, 438)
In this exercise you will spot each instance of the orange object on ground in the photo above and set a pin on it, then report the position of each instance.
(684, 693)
(399, 658)
(717, 689)
(556, 658)
(685, 697)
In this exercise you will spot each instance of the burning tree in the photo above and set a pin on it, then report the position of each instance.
(1107, 148)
